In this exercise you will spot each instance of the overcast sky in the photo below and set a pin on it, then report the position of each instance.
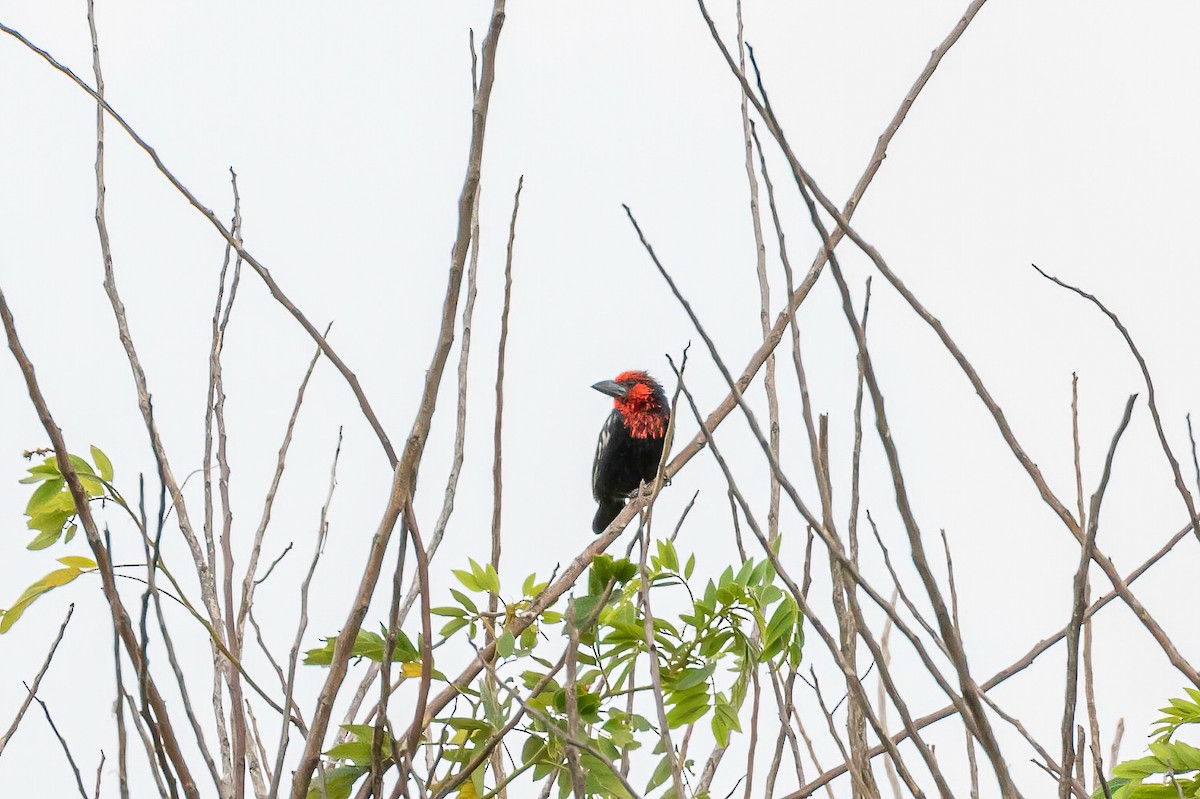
(1058, 133)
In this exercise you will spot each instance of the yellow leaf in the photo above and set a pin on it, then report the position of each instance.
(467, 791)
(411, 669)
(58, 577)
(77, 562)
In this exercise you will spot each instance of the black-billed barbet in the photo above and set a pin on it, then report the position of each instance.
(631, 442)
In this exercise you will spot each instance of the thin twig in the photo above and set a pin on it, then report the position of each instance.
(1080, 602)
(37, 680)
(62, 741)
(302, 624)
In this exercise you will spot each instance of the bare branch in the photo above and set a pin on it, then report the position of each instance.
(37, 680)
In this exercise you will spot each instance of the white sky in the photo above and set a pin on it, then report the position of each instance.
(1061, 133)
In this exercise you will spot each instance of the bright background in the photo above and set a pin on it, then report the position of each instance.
(1058, 133)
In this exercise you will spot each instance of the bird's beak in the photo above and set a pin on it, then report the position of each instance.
(611, 387)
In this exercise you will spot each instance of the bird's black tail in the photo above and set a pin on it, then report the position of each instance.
(608, 510)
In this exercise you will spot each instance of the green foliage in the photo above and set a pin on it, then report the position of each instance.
(367, 645)
(1172, 766)
(52, 515)
(51, 508)
(707, 655)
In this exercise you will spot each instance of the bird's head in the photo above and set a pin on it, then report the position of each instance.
(641, 401)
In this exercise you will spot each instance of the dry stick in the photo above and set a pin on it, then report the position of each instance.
(971, 759)
(62, 741)
(185, 697)
(1080, 602)
(849, 619)
(228, 235)
(1089, 687)
(404, 480)
(215, 409)
(213, 367)
(904, 597)
(856, 780)
(497, 470)
(120, 616)
(831, 542)
(975, 718)
(753, 744)
(374, 785)
(1195, 458)
(1011, 670)
(148, 746)
(419, 722)
(204, 567)
(256, 755)
(652, 655)
(1118, 733)
(797, 297)
(249, 581)
(99, 773)
(119, 705)
(785, 733)
(764, 293)
(37, 680)
(1050, 766)
(578, 781)
(1150, 401)
(152, 558)
(881, 697)
(302, 624)
(235, 758)
(801, 601)
(460, 435)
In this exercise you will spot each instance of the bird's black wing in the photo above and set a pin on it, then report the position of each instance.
(603, 462)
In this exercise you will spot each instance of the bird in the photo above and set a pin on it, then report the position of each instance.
(631, 442)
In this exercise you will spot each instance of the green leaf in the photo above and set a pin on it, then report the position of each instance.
(624, 570)
(336, 783)
(688, 711)
(464, 600)
(452, 626)
(81, 466)
(1178, 755)
(662, 772)
(600, 779)
(467, 579)
(690, 567)
(690, 678)
(102, 463)
(505, 644)
(368, 645)
(46, 470)
(1142, 767)
(46, 493)
(447, 610)
(357, 751)
(44, 539)
(70, 533)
